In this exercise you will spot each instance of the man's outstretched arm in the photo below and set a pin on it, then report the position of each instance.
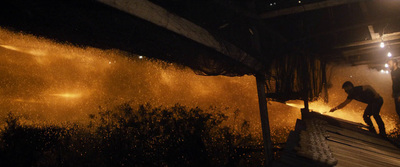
(341, 105)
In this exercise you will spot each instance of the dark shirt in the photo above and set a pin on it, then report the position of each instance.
(365, 94)
(396, 82)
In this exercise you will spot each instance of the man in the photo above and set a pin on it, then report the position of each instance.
(368, 95)
(395, 72)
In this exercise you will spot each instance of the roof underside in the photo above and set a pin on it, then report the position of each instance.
(342, 31)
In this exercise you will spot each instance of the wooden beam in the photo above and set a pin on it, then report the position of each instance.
(262, 102)
(307, 7)
(155, 14)
(385, 38)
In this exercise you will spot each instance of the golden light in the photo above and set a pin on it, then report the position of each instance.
(35, 52)
(20, 100)
(68, 95)
(314, 106)
(294, 105)
(382, 45)
(10, 47)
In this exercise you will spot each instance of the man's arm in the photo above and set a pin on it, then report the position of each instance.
(341, 105)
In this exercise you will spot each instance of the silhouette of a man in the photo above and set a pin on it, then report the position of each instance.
(368, 95)
(395, 73)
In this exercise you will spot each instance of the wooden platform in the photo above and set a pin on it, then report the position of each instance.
(348, 144)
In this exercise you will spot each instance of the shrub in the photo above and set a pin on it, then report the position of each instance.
(147, 136)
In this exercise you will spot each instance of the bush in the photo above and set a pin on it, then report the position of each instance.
(147, 136)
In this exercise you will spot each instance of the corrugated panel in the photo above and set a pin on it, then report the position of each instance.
(349, 143)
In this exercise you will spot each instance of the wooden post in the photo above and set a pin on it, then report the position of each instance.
(306, 103)
(306, 88)
(262, 102)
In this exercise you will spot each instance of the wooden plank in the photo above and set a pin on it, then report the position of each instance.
(360, 156)
(304, 8)
(371, 147)
(262, 101)
(155, 14)
(386, 38)
(360, 136)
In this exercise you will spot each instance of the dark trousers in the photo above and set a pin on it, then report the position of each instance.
(397, 104)
(373, 109)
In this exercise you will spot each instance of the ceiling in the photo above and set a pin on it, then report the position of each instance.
(342, 31)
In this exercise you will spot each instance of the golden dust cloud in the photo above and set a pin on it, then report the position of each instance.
(52, 82)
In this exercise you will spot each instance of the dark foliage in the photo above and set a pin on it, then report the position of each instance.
(147, 136)
(394, 136)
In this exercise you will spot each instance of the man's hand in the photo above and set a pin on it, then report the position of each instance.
(333, 109)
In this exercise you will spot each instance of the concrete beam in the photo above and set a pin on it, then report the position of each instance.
(155, 14)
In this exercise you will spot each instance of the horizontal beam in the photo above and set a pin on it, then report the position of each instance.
(155, 14)
(307, 7)
(384, 38)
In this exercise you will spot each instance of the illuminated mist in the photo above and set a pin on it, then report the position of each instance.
(48, 82)
(361, 75)
(358, 75)
(51, 82)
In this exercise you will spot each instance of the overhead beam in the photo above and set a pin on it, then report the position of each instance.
(307, 7)
(385, 38)
(155, 14)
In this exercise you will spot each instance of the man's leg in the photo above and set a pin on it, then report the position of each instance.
(381, 125)
(397, 105)
(376, 108)
(368, 121)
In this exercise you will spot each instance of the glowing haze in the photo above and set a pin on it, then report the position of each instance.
(51, 82)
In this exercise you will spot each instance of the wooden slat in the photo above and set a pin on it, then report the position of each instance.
(360, 156)
(155, 14)
(304, 8)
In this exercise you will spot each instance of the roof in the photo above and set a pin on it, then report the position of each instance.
(320, 140)
(225, 37)
(346, 31)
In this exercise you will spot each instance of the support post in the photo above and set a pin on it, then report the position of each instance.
(262, 101)
(305, 111)
(306, 88)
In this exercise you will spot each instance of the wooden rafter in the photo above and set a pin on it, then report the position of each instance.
(155, 14)
(304, 8)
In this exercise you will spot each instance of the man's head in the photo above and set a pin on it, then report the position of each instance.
(347, 86)
(392, 64)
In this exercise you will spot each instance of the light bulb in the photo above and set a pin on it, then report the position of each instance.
(389, 54)
(386, 65)
(382, 45)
